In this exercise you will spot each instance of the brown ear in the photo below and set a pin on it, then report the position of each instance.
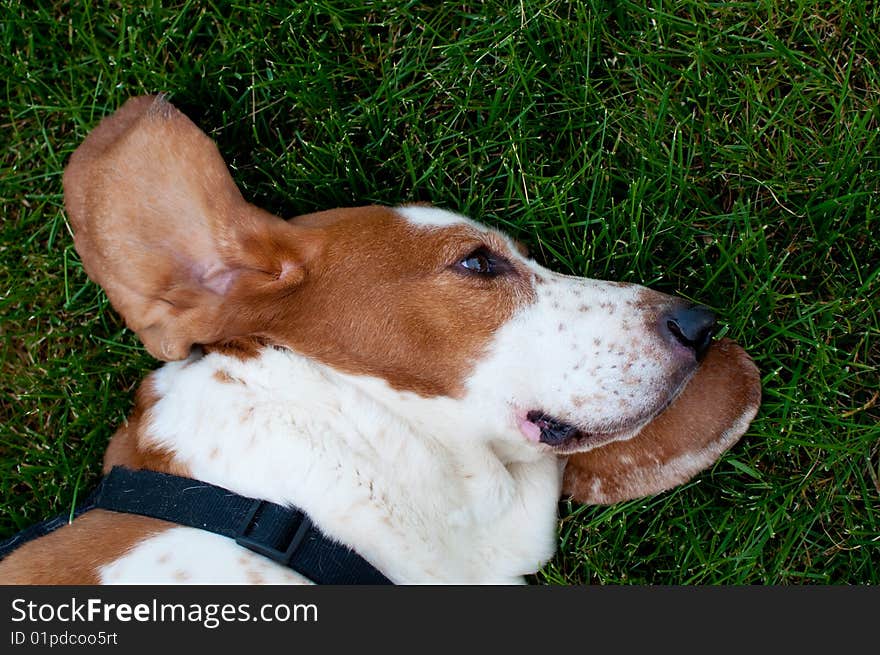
(707, 418)
(161, 226)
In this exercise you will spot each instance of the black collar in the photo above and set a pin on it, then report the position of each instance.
(283, 534)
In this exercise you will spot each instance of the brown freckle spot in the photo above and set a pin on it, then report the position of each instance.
(181, 575)
(584, 308)
(597, 342)
(561, 327)
(555, 305)
(255, 578)
(214, 454)
(164, 559)
(246, 414)
(223, 376)
(243, 561)
(578, 401)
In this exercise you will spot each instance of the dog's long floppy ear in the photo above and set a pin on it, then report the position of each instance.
(161, 226)
(707, 418)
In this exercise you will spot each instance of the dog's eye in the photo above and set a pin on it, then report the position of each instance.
(483, 262)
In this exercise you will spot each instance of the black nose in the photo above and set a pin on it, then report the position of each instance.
(692, 326)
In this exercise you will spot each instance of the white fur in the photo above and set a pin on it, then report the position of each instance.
(192, 556)
(289, 430)
(421, 216)
(581, 353)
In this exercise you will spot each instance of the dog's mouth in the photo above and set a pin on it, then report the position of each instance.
(565, 438)
(553, 431)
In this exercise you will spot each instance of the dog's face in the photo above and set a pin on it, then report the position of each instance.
(444, 318)
(434, 304)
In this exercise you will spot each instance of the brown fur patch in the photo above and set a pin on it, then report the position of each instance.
(385, 300)
(73, 554)
(242, 347)
(129, 445)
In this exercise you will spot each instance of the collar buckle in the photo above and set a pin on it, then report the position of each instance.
(244, 538)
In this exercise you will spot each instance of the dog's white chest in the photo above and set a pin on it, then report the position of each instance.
(281, 428)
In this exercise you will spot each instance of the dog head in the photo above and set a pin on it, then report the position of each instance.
(443, 318)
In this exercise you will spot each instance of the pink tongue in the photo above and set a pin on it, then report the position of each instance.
(531, 431)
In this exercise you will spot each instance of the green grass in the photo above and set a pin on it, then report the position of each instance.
(727, 152)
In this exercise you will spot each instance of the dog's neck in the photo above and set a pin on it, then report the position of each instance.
(283, 428)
